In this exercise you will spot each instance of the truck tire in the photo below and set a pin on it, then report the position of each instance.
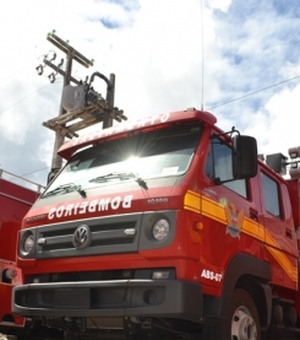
(242, 319)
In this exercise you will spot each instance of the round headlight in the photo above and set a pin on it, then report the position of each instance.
(28, 244)
(160, 229)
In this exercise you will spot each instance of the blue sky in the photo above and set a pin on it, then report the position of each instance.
(155, 48)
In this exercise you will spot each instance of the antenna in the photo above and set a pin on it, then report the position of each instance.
(202, 59)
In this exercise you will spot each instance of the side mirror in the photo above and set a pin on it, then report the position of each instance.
(244, 157)
(52, 174)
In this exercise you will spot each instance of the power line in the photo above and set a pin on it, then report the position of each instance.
(32, 172)
(12, 75)
(19, 101)
(202, 55)
(28, 173)
(254, 92)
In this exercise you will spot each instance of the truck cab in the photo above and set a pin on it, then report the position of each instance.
(163, 227)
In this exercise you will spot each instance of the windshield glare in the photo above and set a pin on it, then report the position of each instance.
(160, 153)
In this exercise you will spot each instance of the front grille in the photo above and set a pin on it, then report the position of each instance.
(111, 235)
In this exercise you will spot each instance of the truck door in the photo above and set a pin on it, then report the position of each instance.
(232, 205)
(280, 237)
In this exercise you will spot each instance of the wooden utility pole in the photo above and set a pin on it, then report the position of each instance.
(90, 112)
(71, 54)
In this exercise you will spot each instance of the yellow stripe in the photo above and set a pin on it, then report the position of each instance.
(253, 229)
(192, 201)
(216, 211)
(284, 262)
(213, 210)
(274, 248)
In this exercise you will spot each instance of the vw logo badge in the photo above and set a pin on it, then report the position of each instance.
(82, 237)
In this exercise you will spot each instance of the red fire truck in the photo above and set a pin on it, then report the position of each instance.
(17, 194)
(16, 197)
(164, 228)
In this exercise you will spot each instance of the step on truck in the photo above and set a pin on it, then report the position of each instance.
(164, 228)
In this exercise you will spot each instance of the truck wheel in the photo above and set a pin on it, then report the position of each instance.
(242, 320)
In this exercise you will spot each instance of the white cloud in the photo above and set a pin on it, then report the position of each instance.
(222, 5)
(155, 49)
(284, 112)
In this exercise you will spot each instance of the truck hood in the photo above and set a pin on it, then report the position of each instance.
(103, 200)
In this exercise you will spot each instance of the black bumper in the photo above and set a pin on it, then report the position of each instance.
(116, 298)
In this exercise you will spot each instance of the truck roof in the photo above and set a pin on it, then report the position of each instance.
(70, 147)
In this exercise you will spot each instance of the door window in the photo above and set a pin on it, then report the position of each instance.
(271, 196)
(219, 167)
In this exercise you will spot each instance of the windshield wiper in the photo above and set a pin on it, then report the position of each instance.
(122, 176)
(65, 188)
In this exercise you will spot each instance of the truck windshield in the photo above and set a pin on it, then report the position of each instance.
(141, 156)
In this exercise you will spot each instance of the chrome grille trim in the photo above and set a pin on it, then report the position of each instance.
(109, 235)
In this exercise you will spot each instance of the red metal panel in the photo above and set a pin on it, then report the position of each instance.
(15, 201)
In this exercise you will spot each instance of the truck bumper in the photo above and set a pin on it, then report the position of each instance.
(120, 298)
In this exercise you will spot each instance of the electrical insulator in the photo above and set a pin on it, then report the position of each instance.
(294, 173)
(294, 152)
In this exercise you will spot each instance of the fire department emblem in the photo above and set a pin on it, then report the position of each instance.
(82, 237)
(235, 220)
